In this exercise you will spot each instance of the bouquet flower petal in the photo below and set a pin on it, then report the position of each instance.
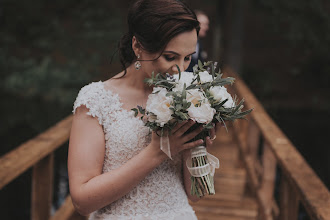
(200, 96)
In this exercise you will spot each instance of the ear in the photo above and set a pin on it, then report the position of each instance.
(136, 46)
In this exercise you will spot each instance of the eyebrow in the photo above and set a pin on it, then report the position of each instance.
(169, 51)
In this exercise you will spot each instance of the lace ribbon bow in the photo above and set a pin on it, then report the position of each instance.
(165, 145)
(209, 168)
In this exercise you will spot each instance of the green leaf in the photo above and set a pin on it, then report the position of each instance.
(208, 125)
(178, 107)
(212, 70)
(192, 86)
(200, 65)
(136, 112)
(141, 110)
(220, 119)
(179, 71)
(184, 93)
(242, 114)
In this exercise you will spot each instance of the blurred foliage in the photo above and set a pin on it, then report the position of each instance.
(293, 83)
(50, 49)
(308, 20)
(45, 78)
(306, 26)
(53, 48)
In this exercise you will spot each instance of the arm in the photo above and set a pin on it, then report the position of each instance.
(91, 189)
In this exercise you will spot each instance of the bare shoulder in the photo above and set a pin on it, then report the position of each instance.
(115, 81)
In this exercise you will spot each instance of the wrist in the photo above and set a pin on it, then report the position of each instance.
(186, 153)
(156, 153)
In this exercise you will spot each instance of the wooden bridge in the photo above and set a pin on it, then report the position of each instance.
(261, 175)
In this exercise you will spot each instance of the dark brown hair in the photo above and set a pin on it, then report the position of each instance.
(154, 23)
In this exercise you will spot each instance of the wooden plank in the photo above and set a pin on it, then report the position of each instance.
(226, 211)
(231, 172)
(245, 203)
(289, 203)
(26, 155)
(42, 188)
(211, 216)
(312, 191)
(249, 165)
(65, 211)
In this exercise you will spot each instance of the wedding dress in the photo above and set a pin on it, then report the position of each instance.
(161, 194)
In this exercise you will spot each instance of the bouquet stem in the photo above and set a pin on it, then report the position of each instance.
(202, 182)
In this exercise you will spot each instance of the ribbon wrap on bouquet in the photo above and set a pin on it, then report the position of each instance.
(165, 145)
(209, 168)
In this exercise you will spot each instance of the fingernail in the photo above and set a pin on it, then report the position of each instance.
(201, 141)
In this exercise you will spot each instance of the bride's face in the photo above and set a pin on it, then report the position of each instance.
(177, 52)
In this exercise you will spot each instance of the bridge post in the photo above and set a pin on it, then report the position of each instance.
(42, 188)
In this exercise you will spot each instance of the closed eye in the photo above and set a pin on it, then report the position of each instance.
(169, 58)
(187, 58)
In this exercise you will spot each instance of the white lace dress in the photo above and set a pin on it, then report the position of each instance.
(161, 194)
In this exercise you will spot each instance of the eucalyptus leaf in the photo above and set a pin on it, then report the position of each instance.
(200, 65)
(212, 70)
(136, 112)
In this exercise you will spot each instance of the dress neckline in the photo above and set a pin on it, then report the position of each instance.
(119, 100)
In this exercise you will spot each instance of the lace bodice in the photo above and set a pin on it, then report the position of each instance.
(161, 194)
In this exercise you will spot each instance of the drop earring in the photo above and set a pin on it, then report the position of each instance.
(137, 63)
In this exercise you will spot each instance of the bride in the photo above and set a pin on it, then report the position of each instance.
(116, 168)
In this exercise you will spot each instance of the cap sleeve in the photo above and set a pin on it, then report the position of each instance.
(91, 97)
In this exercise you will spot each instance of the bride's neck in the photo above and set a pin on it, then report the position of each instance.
(135, 79)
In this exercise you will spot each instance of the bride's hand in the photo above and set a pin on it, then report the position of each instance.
(179, 139)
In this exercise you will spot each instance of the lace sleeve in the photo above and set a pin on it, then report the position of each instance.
(90, 96)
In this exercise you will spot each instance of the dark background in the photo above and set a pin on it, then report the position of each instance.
(50, 49)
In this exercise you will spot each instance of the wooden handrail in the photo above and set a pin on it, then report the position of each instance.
(38, 153)
(300, 177)
(29, 153)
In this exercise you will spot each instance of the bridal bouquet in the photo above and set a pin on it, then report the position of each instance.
(200, 96)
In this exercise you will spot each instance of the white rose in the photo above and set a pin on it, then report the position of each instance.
(159, 104)
(186, 78)
(205, 77)
(200, 109)
(220, 94)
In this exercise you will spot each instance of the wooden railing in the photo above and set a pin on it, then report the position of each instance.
(269, 157)
(38, 154)
(298, 182)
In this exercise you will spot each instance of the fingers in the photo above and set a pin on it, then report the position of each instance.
(184, 128)
(193, 134)
(212, 133)
(178, 126)
(193, 144)
(209, 142)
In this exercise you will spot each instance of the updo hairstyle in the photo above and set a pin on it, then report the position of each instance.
(154, 23)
